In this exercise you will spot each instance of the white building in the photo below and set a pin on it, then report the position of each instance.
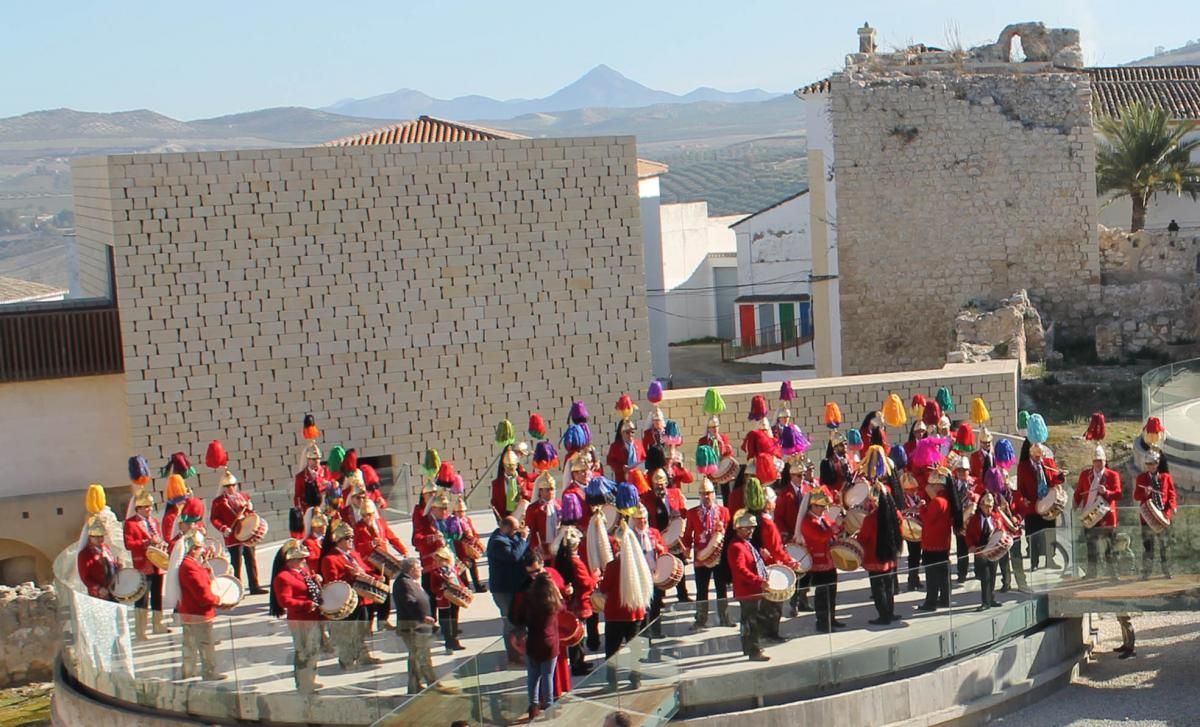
(774, 321)
(700, 272)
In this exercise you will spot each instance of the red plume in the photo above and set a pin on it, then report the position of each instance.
(537, 426)
(1096, 429)
(758, 407)
(933, 412)
(350, 462)
(216, 457)
(765, 470)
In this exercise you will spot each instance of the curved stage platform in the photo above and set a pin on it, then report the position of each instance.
(684, 676)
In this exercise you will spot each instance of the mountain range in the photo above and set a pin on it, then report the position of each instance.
(601, 87)
(1186, 55)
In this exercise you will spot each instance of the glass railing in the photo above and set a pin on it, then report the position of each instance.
(1166, 391)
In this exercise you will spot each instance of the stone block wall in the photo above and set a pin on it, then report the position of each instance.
(956, 183)
(29, 622)
(407, 296)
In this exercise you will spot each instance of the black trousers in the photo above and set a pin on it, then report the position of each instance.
(1101, 539)
(985, 570)
(154, 588)
(825, 586)
(652, 613)
(448, 618)
(1150, 540)
(883, 594)
(244, 553)
(1039, 542)
(703, 576)
(770, 616)
(752, 625)
(801, 594)
(962, 556)
(617, 634)
(914, 562)
(937, 577)
(593, 632)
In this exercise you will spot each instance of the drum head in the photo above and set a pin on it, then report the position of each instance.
(219, 566)
(800, 554)
(610, 516)
(780, 578)
(158, 557)
(228, 590)
(856, 494)
(674, 531)
(128, 585)
(664, 567)
(247, 527)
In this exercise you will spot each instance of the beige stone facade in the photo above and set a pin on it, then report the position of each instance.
(958, 177)
(408, 296)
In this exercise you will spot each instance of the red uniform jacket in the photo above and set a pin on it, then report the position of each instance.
(722, 445)
(1141, 492)
(977, 467)
(760, 441)
(140, 533)
(772, 549)
(535, 520)
(618, 457)
(1028, 486)
(610, 586)
(313, 546)
(737, 499)
(97, 567)
(500, 496)
(937, 522)
(580, 601)
(170, 515)
(651, 438)
(291, 590)
(695, 538)
(197, 602)
(323, 480)
(422, 524)
(679, 476)
(470, 534)
(743, 571)
(787, 510)
(1110, 490)
(974, 535)
(365, 540)
(868, 537)
(819, 533)
(340, 566)
(438, 578)
(427, 543)
(226, 509)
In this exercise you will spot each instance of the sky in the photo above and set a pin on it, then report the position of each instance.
(203, 59)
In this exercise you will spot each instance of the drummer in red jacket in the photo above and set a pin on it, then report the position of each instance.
(1155, 486)
(96, 564)
(1036, 474)
(371, 534)
(1099, 487)
(748, 571)
(228, 511)
(937, 527)
(575, 573)
(511, 486)
(651, 546)
(296, 593)
(705, 529)
(343, 564)
(983, 524)
(626, 452)
(627, 589)
(819, 533)
(769, 542)
(197, 610)
(142, 531)
(880, 540)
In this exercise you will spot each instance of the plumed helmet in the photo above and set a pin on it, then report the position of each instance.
(194, 540)
(745, 519)
(706, 485)
(342, 531)
(145, 498)
(294, 550)
(95, 528)
(228, 480)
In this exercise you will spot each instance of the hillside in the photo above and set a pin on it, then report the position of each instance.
(1187, 55)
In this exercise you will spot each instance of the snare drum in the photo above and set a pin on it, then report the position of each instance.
(853, 520)
(781, 584)
(158, 556)
(219, 566)
(673, 534)
(668, 572)
(250, 529)
(1094, 514)
(1053, 504)
(370, 589)
(800, 555)
(710, 555)
(570, 629)
(910, 528)
(228, 590)
(847, 554)
(727, 470)
(384, 562)
(338, 600)
(1153, 517)
(128, 585)
(998, 544)
(469, 549)
(856, 494)
(458, 594)
(598, 600)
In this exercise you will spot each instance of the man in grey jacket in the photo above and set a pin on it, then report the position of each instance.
(506, 573)
(414, 624)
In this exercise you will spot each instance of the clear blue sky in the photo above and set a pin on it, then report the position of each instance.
(198, 59)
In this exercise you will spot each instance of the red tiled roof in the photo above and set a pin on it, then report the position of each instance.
(429, 130)
(1174, 88)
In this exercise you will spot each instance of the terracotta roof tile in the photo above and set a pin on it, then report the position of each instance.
(1175, 88)
(429, 130)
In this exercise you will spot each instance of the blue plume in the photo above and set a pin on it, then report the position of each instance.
(600, 489)
(854, 438)
(627, 497)
(1038, 432)
(576, 438)
(899, 456)
(1005, 455)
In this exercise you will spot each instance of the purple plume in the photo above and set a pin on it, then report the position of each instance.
(579, 412)
(572, 508)
(793, 440)
(993, 481)
(655, 393)
(786, 393)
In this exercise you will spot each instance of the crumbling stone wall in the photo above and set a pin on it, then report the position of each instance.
(29, 623)
(955, 181)
(1009, 329)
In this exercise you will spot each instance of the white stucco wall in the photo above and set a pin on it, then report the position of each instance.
(693, 245)
(818, 121)
(1163, 208)
(656, 301)
(774, 250)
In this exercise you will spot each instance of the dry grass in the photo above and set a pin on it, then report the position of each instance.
(27, 706)
(1072, 451)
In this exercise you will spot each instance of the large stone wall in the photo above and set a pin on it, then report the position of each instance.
(29, 622)
(956, 182)
(408, 296)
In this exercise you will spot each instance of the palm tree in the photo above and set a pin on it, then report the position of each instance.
(1143, 153)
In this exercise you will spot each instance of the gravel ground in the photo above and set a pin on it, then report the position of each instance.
(1154, 689)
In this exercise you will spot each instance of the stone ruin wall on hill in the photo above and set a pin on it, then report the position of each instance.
(960, 176)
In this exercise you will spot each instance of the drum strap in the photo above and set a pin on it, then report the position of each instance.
(1094, 490)
(1043, 488)
(151, 528)
(314, 590)
(758, 561)
(1156, 491)
(985, 530)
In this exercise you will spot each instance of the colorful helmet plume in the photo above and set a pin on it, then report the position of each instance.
(994, 481)
(625, 406)
(671, 433)
(927, 453)
(917, 408)
(1022, 420)
(176, 487)
(894, 414)
(833, 415)
(932, 413)
(1153, 432)
(600, 490)
(505, 434)
(758, 408)
(1038, 433)
(945, 400)
(537, 427)
(578, 413)
(979, 412)
(369, 475)
(786, 392)
(576, 438)
(627, 498)
(793, 440)
(706, 459)
(755, 498)
(430, 463)
(654, 394)
(446, 475)
(572, 508)
(1004, 454)
(899, 456)
(95, 500)
(337, 453)
(713, 403)
(964, 439)
(854, 438)
(139, 470)
(178, 465)
(193, 510)
(1096, 429)
(637, 478)
(545, 457)
(350, 461)
(876, 464)
(764, 468)
(215, 457)
(309, 429)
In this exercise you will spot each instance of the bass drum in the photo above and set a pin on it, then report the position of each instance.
(128, 586)
(570, 629)
(800, 555)
(338, 600)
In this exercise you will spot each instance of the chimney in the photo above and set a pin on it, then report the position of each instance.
(866, 39)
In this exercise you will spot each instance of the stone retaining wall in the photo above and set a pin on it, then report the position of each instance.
(29, 625)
